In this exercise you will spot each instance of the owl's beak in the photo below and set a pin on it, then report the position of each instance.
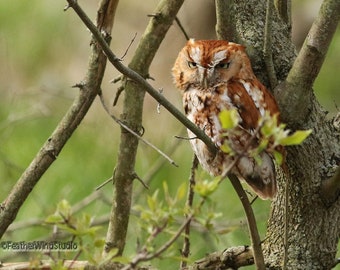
(204, 78)
(204, 82)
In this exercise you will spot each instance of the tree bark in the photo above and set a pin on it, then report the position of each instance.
(124, 173)
(303, 231)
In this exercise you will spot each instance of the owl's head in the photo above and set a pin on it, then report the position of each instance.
(205, 63)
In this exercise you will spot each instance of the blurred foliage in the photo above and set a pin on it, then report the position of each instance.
(43, 51)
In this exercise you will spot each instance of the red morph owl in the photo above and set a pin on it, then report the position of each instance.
(216, 75)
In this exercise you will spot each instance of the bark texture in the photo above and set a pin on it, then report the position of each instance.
(124, 173)
(303, 231)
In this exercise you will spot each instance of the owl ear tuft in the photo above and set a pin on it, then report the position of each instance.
(191, 41)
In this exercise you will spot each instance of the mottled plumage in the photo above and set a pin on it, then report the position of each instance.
(214, 75)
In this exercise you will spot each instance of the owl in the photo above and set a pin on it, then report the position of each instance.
(216, 75)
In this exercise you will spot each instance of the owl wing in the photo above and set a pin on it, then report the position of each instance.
(252, 100)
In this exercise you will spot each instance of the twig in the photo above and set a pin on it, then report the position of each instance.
(155, 167)
(190, 199)
(104, 183)
(140, 80)
(141, 181)
(135, 133)
(254, 234)
(267, 47)
(128, 47)
(143, 257)
(182, 28)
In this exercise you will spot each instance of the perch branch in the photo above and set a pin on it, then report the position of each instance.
(294, 95)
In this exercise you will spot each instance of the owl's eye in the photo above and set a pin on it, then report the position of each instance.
(225, 65)
(192, 64)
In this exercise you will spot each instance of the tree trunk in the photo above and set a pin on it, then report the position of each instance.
(304, 226)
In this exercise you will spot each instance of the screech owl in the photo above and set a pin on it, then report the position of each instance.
(214, 75)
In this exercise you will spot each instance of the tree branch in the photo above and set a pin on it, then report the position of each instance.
(53, 146)
(231, 258)
(267, 47)
(132, 115)
(185, 252)
(225, 27)
(294, 95)
(283, 8)
(254, 234)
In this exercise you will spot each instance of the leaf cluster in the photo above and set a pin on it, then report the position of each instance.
(272, 135)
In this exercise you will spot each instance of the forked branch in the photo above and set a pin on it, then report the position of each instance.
(294, 95)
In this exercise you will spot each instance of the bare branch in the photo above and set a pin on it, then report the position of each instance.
(144, 256)
(254, 234)
(231, 258)
(132, 115)
(190, 199)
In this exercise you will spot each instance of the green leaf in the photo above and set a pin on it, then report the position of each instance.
(152, 201)
(229, 118)
(278, 157)
(54, 219)
(99, 243)
(181, 191)
(206, 187)
(226, 149)
(296, 138)
(64, 208)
